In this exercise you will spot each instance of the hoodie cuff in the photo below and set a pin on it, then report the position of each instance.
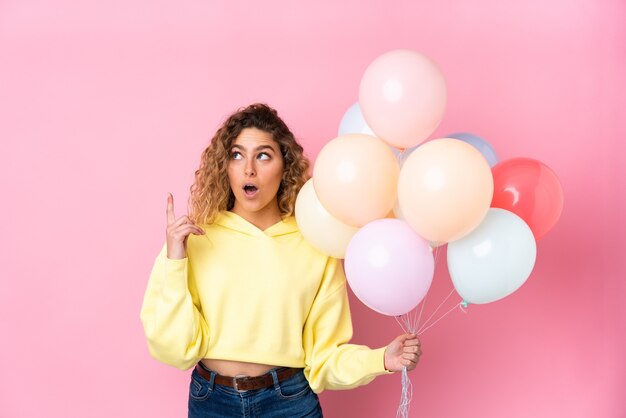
(376, 361)
(175, 277)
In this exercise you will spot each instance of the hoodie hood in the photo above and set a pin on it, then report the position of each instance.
(231, 220)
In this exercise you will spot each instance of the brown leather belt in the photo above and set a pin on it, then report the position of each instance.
(243, 383)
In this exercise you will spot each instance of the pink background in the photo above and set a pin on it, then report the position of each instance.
(106, 106)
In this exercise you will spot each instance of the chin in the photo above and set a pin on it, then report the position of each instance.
(253, 207)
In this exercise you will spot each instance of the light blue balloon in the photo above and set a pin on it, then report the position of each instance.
(494, 260)
(353, 122)
(480, 144)
(402, 156)
(396, 153)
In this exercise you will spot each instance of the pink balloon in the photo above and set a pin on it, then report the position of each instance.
(403, 97)
(389, 267)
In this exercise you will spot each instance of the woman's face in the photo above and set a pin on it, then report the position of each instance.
(255, 170)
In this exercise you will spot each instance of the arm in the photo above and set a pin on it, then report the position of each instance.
(175, 329)
(330, 362)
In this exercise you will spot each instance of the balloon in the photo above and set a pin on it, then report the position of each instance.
(355, 178)
(403, 97)
(444, 189)
(389, 267)
(354, 123)
(396, 153)
(494, 260)
(529, 189)
(480, 144)
(318, 227)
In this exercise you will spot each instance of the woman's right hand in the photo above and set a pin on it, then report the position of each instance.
(177, 232)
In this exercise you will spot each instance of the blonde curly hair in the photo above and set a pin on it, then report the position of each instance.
(211, 192)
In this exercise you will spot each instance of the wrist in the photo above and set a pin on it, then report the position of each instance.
(385, 360)
(176, 254)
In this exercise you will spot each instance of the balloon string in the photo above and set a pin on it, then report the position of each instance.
(436, 253)
(412, 319)
(438, 307)
(401, 321)
(407, 394)
(419, 317)
(409, 324)
(424, 329)
(405, 323)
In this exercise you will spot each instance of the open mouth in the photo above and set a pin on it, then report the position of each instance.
(250, 189)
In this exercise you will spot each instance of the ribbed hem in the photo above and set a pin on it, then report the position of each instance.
(175, 273)
(377, 361)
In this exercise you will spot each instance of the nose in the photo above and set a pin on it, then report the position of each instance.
(250, 171)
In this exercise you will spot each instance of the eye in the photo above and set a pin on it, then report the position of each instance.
(264, 156)
(236, 155)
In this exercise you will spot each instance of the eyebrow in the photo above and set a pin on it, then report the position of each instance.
(259, 148)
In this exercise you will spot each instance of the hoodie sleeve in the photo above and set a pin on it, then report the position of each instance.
(176, 331)
(330, 362)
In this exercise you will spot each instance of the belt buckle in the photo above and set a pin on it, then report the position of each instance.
(235, 381)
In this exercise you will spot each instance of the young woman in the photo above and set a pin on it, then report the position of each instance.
(238, 294)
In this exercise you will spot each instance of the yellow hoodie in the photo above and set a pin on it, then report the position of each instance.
(249, 295)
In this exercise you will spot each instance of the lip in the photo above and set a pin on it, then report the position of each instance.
(251, 194)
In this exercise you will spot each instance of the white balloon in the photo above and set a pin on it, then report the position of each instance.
(494, 260)
(353, 122)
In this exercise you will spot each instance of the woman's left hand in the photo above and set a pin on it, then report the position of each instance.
(403, 351)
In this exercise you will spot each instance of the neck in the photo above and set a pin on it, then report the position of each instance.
(262, 219)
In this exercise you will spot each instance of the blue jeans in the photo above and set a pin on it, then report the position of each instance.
(291, 398)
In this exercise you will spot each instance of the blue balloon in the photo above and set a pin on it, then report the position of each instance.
(480, 144)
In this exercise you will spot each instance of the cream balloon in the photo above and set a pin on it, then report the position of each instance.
(318, 226)
(445, 189)
(355, 178)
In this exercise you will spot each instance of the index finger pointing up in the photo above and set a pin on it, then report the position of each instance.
(171, 218)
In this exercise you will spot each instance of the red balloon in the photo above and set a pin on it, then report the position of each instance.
(531, 190)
